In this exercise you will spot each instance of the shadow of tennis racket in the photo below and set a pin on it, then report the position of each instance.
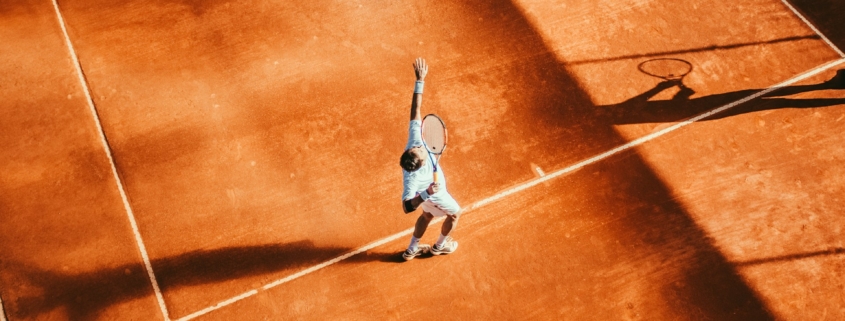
(672, 71)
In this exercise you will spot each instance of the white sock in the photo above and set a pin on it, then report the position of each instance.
(414, 243)
(440, 240)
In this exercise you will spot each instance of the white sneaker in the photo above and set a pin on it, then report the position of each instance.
(448, 247)
(421, 249)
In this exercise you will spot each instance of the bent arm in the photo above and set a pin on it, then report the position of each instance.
(412, 204)
(645, 96)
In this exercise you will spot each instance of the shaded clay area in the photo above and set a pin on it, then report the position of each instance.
(256, 139)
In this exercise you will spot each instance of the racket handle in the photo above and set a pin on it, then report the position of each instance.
(435, 175)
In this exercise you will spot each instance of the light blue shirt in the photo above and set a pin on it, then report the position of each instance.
(417, 181)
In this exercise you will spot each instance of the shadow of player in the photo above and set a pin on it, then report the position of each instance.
(84, 295)
(640, 109)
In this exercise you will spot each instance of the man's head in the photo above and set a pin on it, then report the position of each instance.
(413, 158)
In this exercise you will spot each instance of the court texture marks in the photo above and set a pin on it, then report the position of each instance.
(238, 160)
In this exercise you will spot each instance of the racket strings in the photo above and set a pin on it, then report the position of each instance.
(434, 135)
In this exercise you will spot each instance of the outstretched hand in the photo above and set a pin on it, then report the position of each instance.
(668, 84)
(684, 94)
(420, 68)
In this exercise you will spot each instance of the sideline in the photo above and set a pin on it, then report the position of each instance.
(523, 186)
(108, 151)
(800, 16)
(2, 312)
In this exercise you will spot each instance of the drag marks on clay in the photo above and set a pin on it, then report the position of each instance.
(542, 179)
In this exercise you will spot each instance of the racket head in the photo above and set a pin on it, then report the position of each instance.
(666, 68)
(434, 134)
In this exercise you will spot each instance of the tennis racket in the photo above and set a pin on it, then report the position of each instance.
(434, 139)
(673, 69)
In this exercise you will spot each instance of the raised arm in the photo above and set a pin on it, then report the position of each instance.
(420, 69)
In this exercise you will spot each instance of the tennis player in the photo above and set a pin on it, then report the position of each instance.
(419, 186)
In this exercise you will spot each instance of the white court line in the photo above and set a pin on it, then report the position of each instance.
(2, 312)
(524, 186)
(220, 305)
(800, 16)
(108, 152)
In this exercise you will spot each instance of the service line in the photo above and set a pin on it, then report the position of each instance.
(524, 186)
(107, 149)
(800, 16)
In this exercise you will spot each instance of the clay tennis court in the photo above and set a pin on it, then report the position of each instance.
(238, 160)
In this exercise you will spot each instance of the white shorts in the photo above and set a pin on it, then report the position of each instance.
(441, 204)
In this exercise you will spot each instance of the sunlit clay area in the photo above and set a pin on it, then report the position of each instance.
(220, 160)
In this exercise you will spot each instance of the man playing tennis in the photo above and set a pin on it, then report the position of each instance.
(420, 189)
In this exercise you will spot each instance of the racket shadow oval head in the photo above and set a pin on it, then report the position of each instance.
(672, 69)
(434, 139)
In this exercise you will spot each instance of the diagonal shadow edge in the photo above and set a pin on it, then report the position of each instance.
(812, 26)
(501, 7)
(357, 252)
(730, 273)
(822, 13)
(514, 190)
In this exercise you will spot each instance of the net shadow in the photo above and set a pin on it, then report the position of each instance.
(793, 257)
(692, 50)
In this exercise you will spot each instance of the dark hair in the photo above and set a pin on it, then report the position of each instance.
(409, 161)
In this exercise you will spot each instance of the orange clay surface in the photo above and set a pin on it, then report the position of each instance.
(256, 139)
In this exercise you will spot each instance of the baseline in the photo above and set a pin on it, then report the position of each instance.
(809, 24)
(523, 186)
(107, 149)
